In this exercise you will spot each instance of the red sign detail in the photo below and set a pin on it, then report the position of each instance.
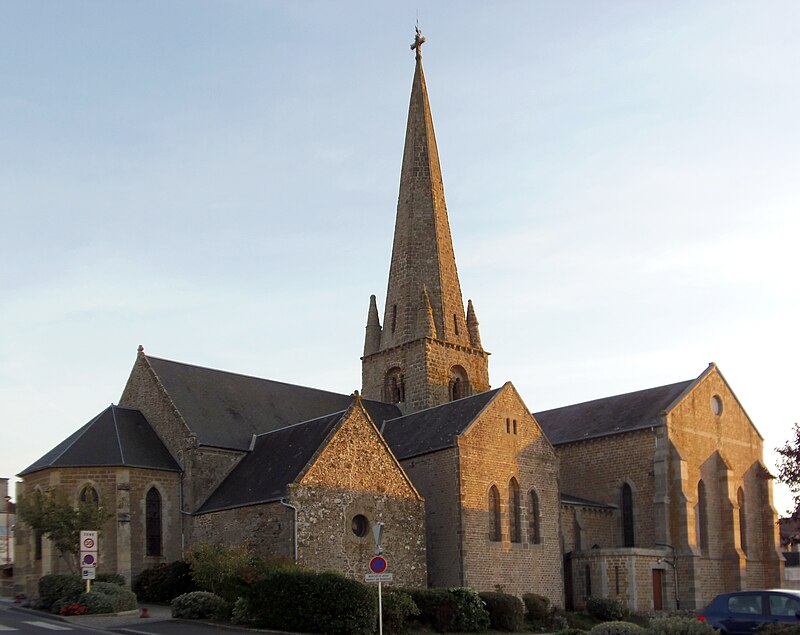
(377, 564)
(88, 543)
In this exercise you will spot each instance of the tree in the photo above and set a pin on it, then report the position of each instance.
(789, 466)
(52, 514)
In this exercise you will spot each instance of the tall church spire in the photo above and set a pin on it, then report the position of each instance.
(423, 266)
(422, 255)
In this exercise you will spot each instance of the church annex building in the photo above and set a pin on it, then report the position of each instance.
(657, 498)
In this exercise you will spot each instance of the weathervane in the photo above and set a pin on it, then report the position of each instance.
(419, 40)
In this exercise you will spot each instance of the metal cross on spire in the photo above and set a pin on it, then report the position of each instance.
(419, 40)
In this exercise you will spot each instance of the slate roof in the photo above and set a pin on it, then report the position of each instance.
(434, 428)
(226, 409)
(116, 437)
(577, 501)
(611, 415)
(277, 459)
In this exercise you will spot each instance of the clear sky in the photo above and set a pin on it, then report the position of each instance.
(217, 181)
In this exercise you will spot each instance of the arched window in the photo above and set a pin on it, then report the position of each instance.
(495, 533)
(394, 387)
(742, 520)
(459, 383)
(153, 522)
(702, 516)
(587, 580)
(533, 512)
(514, 511)
(89, 495)
(627, 516)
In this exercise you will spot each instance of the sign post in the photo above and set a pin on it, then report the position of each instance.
(88, 545)
(378, 567)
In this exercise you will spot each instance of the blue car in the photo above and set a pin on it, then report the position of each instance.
(742, 612)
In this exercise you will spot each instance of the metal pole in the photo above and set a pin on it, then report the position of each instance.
(380, 610)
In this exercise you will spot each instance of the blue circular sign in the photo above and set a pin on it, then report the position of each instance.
(377, 564)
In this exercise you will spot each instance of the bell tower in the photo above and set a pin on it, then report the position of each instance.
(428, 350)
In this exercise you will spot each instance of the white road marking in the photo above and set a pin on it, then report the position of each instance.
(50, 626)
(7, 628)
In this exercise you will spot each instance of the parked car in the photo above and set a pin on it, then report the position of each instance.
(742, 612)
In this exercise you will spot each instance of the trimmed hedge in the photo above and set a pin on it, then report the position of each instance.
(537, 607)
(471, 614)
(605, 609)
(296, 600)
(113, 578)
(108, 597)
(687, 626)
(58, 589)
(437, 607)
(199, 605)
(506, 612)
(164, 583)
(617, 628)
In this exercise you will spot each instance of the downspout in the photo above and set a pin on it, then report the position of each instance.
(294, 527)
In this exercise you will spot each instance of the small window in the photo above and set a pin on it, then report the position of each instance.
(515, 514)
(89, 495)
(515, 426)
(535, 521)
(394, 317)
(37, 544)
(587, 575)
(701, 512)
(627, 516)
(455, 323)
(508, 425)
(495, 531)
(360, 525)
(742, 520)
(716, 405)
(153, 522)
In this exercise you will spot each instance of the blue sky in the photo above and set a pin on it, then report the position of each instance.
(218, 181)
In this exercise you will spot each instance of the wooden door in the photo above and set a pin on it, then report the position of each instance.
(658, 589)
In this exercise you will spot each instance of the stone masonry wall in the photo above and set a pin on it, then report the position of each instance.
(584, 527)
(596, 469)
(726, 452)
(121, 547)
(356, 474)
(491, 454)
(435, 476)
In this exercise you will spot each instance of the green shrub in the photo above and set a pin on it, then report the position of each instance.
(227, 571)
(437, 607)
(398, 610)
(680, 626)
(605, 609)
(199, 605)
(506, 612)
(616, 628)
(108, 597)
(471, 614)
(61, 589)
(97, 602)
(241, 613)
(537, 607)
(571, 631)
(292, 599)
(113, 578)
(164, 583)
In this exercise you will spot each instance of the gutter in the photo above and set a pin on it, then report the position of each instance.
(294, 527)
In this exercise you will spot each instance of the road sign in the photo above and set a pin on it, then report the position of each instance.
(378, 577)
(89, 560)
(377, 564)
(88, 540)
(87, 573)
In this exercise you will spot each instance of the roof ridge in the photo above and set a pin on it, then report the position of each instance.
(119, 439)
(82, 432)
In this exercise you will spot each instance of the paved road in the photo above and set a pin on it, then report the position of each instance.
(12, 621)
(177, 628)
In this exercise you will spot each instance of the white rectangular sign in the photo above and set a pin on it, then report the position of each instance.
(87, 573)
(88, 540)
(378, 577)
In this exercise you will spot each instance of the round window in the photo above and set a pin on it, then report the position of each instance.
(716, 405)
(360, 525)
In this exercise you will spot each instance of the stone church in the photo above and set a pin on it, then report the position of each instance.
(658, 498)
